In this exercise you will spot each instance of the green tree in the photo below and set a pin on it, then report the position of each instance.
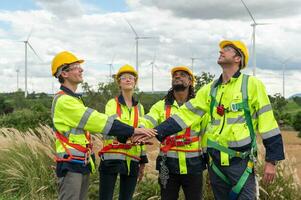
(278, 103)
(297, 123)
(204, 79)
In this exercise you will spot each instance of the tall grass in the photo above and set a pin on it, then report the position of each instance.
(27, 171)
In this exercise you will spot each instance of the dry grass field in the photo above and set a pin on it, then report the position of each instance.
(292, 148)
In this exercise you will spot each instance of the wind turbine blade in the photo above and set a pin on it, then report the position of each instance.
(113, 57)
(264, 23)
(155, 56)
(156, 66)
(29, 34)
(132, 27)
(34, 51)
(147, 37)
(249, 11)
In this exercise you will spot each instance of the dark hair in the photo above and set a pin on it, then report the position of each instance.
(61, 79)
(64, 68)
(170, 97)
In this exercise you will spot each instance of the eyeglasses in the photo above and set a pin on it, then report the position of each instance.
(229, 48)
(125, 77)
(75, 66)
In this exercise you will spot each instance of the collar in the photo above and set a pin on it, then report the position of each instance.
(122, 101)
(169, 100)
(70, 92)
(220, 79)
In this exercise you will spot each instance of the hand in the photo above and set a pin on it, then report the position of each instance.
(269, 172)
(141, 172)
(142, 134)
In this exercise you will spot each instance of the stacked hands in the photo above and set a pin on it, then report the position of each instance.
(142, 135)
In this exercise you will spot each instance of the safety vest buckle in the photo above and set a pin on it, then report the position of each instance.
(234, 107)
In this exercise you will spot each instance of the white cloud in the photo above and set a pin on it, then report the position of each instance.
(97, 37)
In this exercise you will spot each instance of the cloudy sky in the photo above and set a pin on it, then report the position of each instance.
(97, 31)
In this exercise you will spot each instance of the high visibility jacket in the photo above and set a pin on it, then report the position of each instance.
(181, 159)
(117, 108)
(230, 128)
(71, 119)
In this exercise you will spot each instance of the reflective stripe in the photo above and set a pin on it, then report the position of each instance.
(264, 109)
(216, 122)
(238, 120)
(270, 133)
(54, 103)
(153, 121)
(85, 117)
(240, 143)
(180, 122)
(116, 156)
(113, 156)
(140, 110)
(244, 85)
(109, 124)
(73, 152)
(194, 110)
(174, 154)
(194, 133)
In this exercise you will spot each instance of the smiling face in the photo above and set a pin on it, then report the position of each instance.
(127, 81)
(73, 73)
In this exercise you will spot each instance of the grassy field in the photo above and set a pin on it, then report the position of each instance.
(292, 148)
(26, 170)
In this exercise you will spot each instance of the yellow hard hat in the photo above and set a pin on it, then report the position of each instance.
(185, 69)
(240, 46)
(63, 58)
(127, 69)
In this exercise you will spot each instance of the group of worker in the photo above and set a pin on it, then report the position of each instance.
(215, 129)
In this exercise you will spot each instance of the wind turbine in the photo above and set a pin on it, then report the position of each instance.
(254, 24)
(137, 38)
(18, 71)
(111, 67)
(192, 61)
(153, 65)
(283, 74)
(26, 43)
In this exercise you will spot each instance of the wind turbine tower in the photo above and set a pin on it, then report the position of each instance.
(192, 62)
(254, 24)
(26, 43)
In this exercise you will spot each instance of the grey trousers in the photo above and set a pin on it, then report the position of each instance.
(221, 189)
(73, 186)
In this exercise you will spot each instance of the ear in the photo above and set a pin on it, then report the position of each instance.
(237, 59)
(64, 74)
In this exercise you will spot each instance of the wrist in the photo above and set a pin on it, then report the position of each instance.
(273, 162)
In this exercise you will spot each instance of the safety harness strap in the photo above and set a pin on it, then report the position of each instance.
(236, 189)
(179, 140)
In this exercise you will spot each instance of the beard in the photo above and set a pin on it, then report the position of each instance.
(179, 87)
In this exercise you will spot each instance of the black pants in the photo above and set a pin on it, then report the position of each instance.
(107, 184)
(221, 189)
(191, 184)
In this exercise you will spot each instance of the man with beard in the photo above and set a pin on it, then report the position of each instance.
(238, 107)
(180, 161)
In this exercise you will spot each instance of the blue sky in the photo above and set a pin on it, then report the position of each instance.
(107, 5)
